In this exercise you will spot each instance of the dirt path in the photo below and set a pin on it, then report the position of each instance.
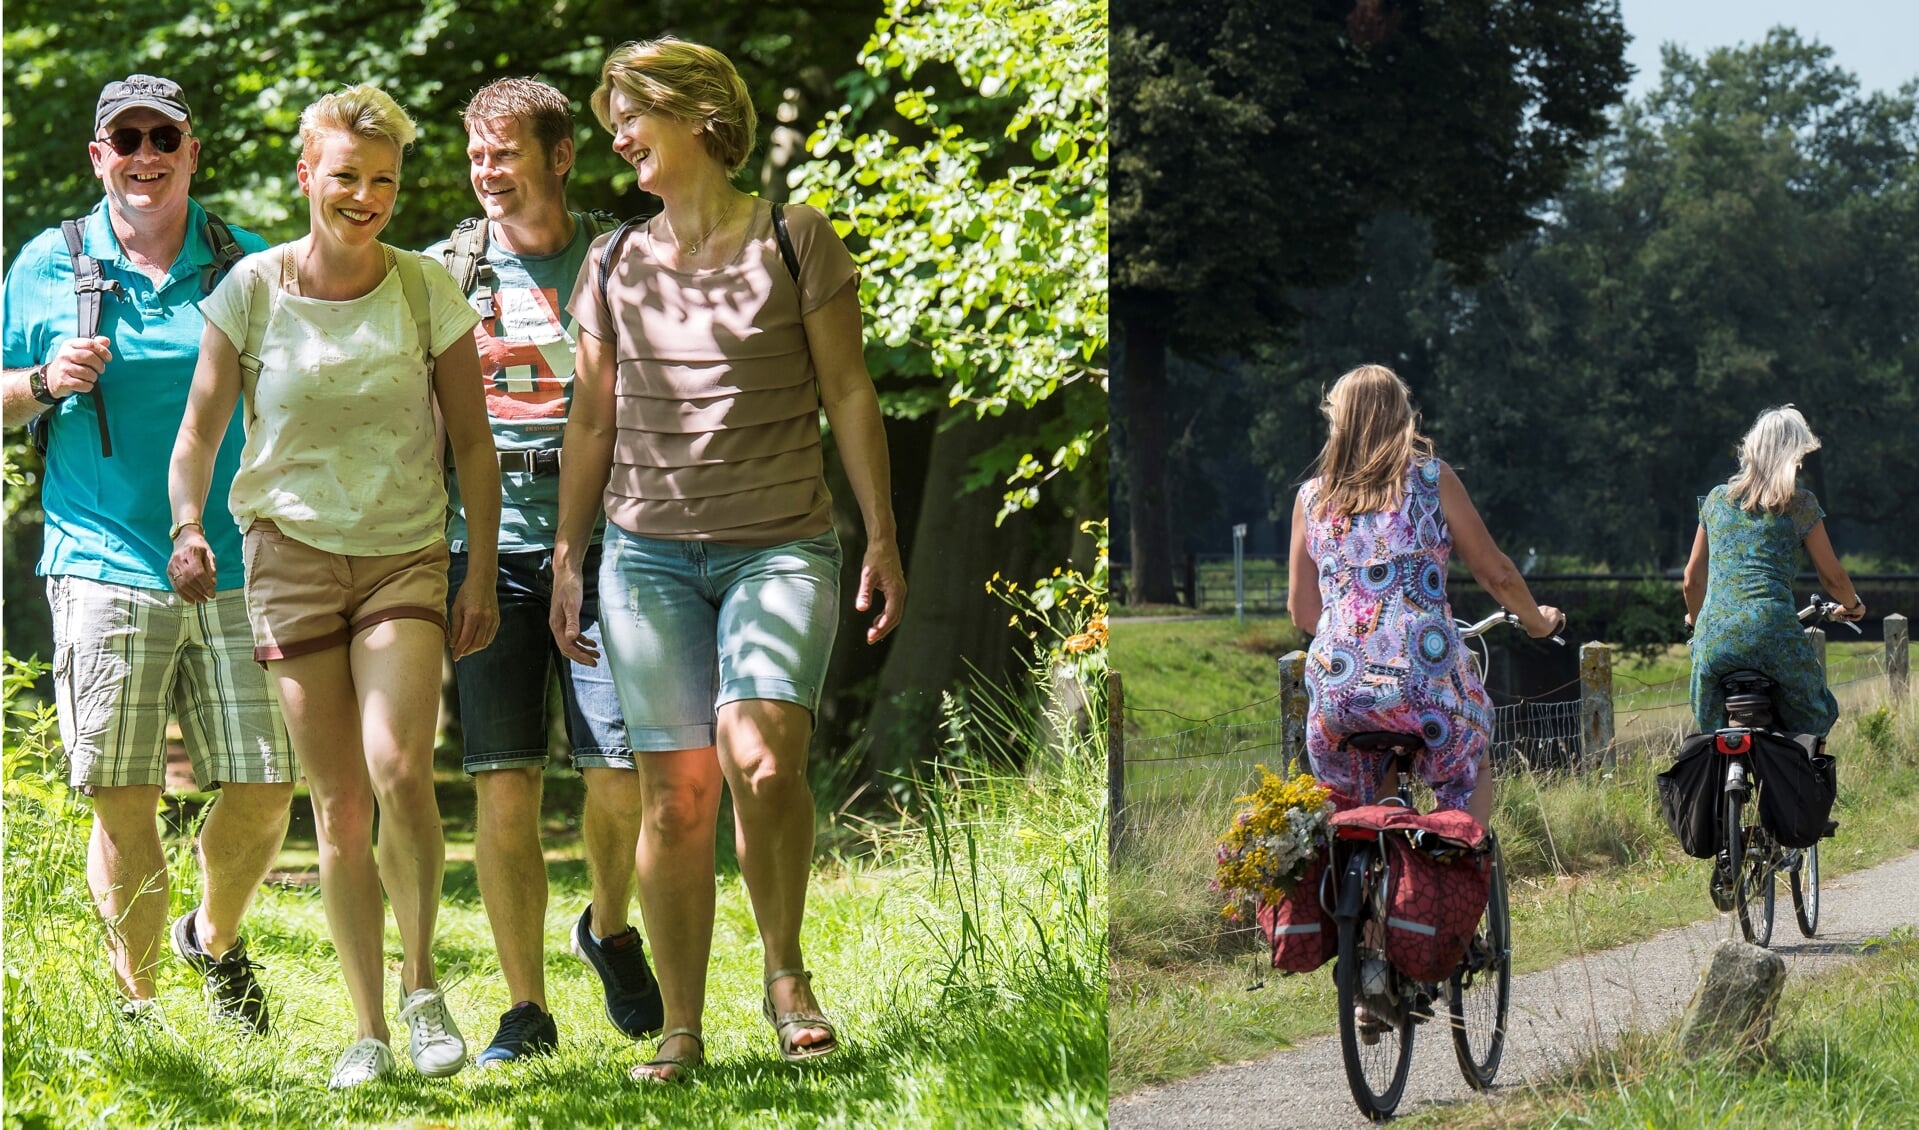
(1556, 1015)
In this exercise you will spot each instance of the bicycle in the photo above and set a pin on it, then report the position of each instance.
(1745, 876)
(1378, 1056)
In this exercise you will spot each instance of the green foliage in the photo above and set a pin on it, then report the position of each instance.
(1876, 730)
(1653, 618)
(986, 254)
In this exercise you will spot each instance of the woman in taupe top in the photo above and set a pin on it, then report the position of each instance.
(701, 374)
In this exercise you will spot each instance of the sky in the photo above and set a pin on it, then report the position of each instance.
(1874, 39)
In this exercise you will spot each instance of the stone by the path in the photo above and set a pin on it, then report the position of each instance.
(1732, 1009)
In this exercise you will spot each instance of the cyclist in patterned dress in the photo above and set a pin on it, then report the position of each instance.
(1738, 581)
(1372, 531)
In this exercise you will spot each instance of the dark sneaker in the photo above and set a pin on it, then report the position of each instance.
(633, 1001)
(1720, 886)
(230, 986)
(525, 1030)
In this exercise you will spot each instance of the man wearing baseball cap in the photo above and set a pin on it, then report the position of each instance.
(128, 652)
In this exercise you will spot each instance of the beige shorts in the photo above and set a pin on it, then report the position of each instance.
(304, 600)
(124, 658)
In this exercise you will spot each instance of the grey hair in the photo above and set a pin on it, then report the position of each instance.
(1769, 459)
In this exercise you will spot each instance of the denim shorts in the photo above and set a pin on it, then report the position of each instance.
(692, 625)
(503, 685)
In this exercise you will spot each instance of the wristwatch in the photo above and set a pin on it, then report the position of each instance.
(173, 531)
(37, 384)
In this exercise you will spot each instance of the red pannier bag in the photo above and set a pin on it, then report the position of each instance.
(1438, 876)
(1302, 933)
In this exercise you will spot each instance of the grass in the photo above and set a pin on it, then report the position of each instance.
(1184, 674)
(1592, 866)
(1844, 1054)
(962, 953)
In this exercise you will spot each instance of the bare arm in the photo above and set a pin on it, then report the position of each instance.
(72, 369)
(1302, 575)
(457, 394)
(1493, 570)
(1832, 574)
(834, 334)
(210, 403)
(1694, 584)
(586, 461)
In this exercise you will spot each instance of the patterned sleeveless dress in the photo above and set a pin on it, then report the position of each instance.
(1748, 620)
(1385, 655)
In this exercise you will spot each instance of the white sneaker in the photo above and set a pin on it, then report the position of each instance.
(362, 1063)
(433, 1043)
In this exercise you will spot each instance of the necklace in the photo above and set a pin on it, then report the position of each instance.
(694, 247)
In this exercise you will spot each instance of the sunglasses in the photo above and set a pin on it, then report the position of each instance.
(126, 139)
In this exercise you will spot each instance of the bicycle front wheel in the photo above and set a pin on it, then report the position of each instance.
(1377, 1055)
(1481, 987)
(1804, 881)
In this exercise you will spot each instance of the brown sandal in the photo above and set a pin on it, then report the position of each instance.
(785, 1024)
(683, 1063)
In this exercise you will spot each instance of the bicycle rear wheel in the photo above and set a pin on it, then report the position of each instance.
(1804, 881)
(1376, 1072)
(1481, 987)
(1753, 889)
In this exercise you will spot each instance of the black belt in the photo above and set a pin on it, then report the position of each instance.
(545, 462)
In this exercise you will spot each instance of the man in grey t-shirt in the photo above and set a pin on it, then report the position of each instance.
(518, 263)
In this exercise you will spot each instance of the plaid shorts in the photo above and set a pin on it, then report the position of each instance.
(124, 658)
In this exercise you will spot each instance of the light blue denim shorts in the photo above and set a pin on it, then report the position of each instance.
(689, 626)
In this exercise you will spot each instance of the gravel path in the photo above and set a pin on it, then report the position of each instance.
(1555, 1016)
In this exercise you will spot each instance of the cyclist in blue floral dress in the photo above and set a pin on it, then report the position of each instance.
(1738, 582)
(1372, 532)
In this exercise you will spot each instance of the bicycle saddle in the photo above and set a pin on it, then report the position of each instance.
(1383, 741)
(1748, 697)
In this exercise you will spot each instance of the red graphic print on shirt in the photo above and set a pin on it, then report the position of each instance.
(526, 357)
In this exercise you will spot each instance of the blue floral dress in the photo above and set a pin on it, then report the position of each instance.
(1385, 654)
(1748, 620)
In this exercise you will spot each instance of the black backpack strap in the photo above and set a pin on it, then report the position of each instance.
(89, 283)
(226, 252)
(787, 254)
(611, 253)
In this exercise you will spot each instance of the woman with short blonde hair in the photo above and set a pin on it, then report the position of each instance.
(345, 350)
(1738, 581)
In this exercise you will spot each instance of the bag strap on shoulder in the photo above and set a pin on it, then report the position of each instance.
(89, 283)
(465, 256)
(413, 282)
(226, 252)
(787, 255)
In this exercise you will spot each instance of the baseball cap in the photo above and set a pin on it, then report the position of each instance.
(141, 90)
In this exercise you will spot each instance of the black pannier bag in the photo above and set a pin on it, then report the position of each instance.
(1691, 796)
(1799, 782)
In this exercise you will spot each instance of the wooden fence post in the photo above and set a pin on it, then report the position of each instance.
(1595, 703)
(1817, 637)
(1292, 711)
(1898, 640)
(1115, 764)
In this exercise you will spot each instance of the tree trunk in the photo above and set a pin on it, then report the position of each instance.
(954, 627)
(1145, 394)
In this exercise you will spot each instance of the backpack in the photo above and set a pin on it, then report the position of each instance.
(89, 283)
(412, 283)
(465, 256)
(787, 254)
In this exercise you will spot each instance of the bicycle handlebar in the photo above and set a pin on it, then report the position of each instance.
(1480, 628)
(1822, 609)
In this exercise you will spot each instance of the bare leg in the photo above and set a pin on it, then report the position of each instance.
(675, 867)
(323, 716)
(396, 674)
(1480, 804)
(611, 828)
(239, 840)
(127, 872)
(512, 873)
(763, 754)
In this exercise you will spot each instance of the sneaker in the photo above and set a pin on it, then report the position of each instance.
(362, 1063)
(633, 1001)
(138, 1012)
(525, 1029)
(231, 990)
(433, 1043)
(1720, 886)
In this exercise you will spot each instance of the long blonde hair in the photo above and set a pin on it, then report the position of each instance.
(1373, 434)
(1769, 459)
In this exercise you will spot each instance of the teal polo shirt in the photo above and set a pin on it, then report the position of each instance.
(107, 518)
